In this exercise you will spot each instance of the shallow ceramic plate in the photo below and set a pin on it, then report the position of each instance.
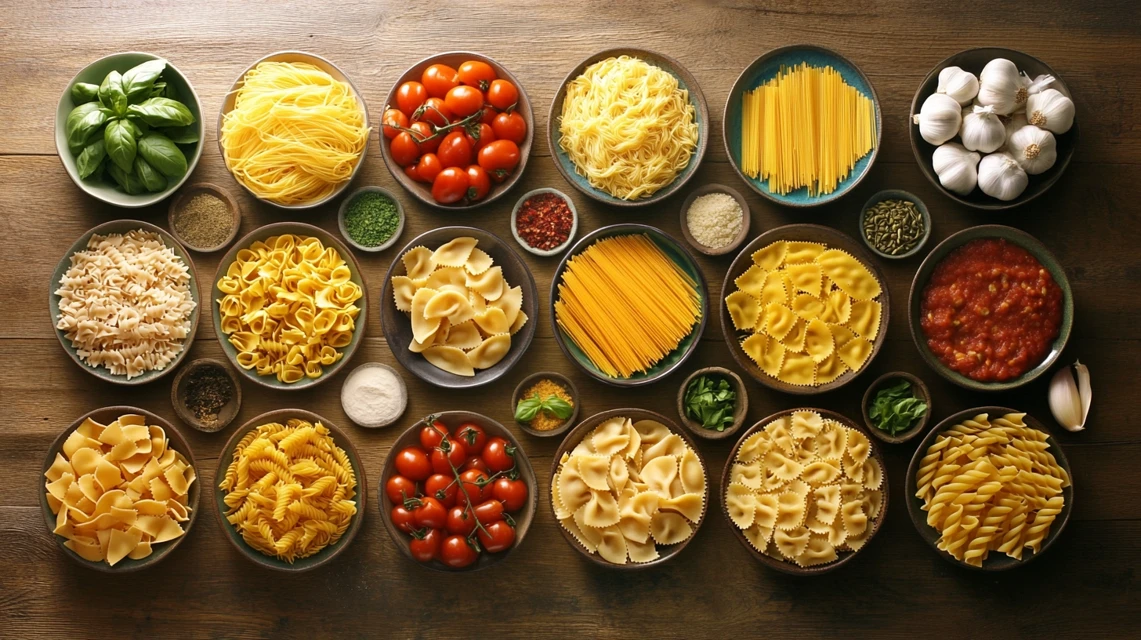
(123, 226)
(765, 68)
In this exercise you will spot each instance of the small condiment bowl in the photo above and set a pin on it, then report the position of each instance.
(184, 198)
(344, 209)
(399, 383)
(896, 194)
(745, 219)
(918, 389)
(554, 377)
(574, 222)
(179, 389)
(739, 410)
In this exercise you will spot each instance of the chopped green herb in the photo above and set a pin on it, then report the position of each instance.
(894, 408)
(371, 219)
(710, 400)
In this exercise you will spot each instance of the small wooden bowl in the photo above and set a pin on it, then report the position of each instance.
(746, 219)
(544, 253)
(178, 390)
(844, 556)
(344, 208)
(324, 556)
(177, 442)
(566, 382)
(453, 419)
(586, 426)
(995, 561)
(896, 194)
(739, 410)
(184, 197)
(918, 389)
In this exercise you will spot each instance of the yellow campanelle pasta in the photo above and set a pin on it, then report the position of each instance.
(290, 489)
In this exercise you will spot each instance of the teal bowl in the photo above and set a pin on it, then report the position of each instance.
(1014, 236)
(765, 68)
(123, 226)
(674, 359)
(685, 80)
(94, 74)
(327, 239)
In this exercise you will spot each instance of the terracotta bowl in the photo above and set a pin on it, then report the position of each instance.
(226, 414)
(918, 389)
(739, 411)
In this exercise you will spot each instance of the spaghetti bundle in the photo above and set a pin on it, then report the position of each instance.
(805, 128)
(626, 304)
(628, 126)
(295, 133)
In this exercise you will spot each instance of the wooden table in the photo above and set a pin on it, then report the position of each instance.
(1087, 585)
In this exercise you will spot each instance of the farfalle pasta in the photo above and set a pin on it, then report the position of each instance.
(804, 489)
(628, 487)
(118, 490)
(288, 307)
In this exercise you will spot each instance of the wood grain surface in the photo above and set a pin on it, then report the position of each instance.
(1086, 586)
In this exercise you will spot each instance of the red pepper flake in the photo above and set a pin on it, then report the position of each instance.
(544, 221)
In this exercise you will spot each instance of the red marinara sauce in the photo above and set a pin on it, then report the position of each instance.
(991, 310)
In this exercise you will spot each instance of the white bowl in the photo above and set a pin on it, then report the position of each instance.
(574, 222)
(403, 396)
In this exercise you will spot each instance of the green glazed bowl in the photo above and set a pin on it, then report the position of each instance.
(123, 226)
(674, 359)
(1014, 236)
(94, 74)
(327, 239)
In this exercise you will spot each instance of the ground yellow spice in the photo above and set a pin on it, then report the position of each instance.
(544, 421)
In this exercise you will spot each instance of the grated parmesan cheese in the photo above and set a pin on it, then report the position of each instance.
(714, 219)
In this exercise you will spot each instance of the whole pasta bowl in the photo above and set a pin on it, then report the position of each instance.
(273, 343)
(315, 479)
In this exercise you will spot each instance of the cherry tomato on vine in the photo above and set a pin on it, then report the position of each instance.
(477, 463)
(479, 183)
(404, 150)
(476, 73)
(404, 519)
(442, 488)
(398, 488)
(487, 116)
(473, 437)
(457, 553)
(497, 536)
(411, 172)
(475, 486)
(410, 96)
(488, 511)
(425, 137)
(498, 454)
(502, 94)
(427, 547)
(486, 137)
(450, 186)
(392, 119)
(512, 493)
(464, 100)
(412, 463)
(455, 454)
(510, 126)
(431, 435)
(428, 168)
(431, 513)
(435, 112)
(438, 79)
(460, 522)
(455, 150)
(499, 159)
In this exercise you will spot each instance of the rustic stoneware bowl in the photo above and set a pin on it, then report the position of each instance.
(178, 391)
(896, 194)
(739, 410)
(107, 415)
(765, 68)
(789, 567)
(422, 191)
(94, 73)
(123, 226)
(324, 556)
(453, 419)
(685, 80)
(329, 68)
(666, 552)
(918, 390)
(357, 276)
(941, 251)
(995, 561)
(544, 253)
(974, 60)
(344, 209)
(746, 219)
(810, 233)
(189, 192)
(398, 327)
(554, 376)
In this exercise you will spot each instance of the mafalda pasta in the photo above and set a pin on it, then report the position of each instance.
(806, 314)
(628, 487)
(805, 488)
(288, 307)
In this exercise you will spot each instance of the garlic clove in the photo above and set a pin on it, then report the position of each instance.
(1070, 399)
(939, 118)
(956, 167)
(961, 85)
(1035, 149)
(1003, 87)
(1050, 110)
(1000, 176)
(982, 130)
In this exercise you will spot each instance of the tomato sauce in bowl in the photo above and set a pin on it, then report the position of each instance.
(991, 311)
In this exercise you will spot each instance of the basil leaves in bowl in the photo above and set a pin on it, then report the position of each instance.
(129, 129)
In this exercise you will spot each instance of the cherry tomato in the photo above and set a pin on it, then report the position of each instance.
(450, 186)
(479, 183)
(498, 454)
(410, 96)
(475, 73)
(499, 159)
(473, 437)
(411, 172)
(488, 511)
(427, 547)
(464, 100)
(455, 151)
(434, 111)
(457, 553)
(438, 79)
(497, 536)
(460, 522)
(404, 519)
(404, 149)
(455, 454)
(477, 463)
(502, 94)
(428, 168)
(510, 126)
(425, 137)
(431, 513)
(475, 486)
(398, 488)
(487, 116)
(413, 464)
(441, 487)
(392, 119)
(431, 435)
(512, 493)
(486, 137)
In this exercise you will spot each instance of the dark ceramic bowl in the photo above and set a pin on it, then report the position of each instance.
(746, 219)
(567, 384)
(226, 414)
(739, 410)
(918, 390)
(897, 194)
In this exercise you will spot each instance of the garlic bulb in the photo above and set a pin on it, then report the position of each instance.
(961, 85)
(939, 118)
(1033, 148)
(982, 129)
(1069, 401)
(1000, 176)
(1014, 123)
(1002, 86)
(1050, 110)
(956, 167)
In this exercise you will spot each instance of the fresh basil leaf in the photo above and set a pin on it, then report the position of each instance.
(88, 161)
(163, 155)
(138, 80)
(121, 144)
(127, 182)
(82, 123)
(162, 112)
(182, 135)
(111, 93)
(528, 408)
(158, 89)
(138, 127)
(152, 180)
(559, 407)
(83, 92)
